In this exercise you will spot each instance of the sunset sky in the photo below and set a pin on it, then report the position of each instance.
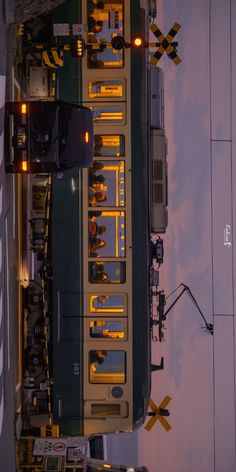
(199, 374)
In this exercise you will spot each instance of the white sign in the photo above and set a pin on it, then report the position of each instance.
(76, 453)
(78, 29)
(61, 29)
(50, 447)
(58, 446)
(81, 441)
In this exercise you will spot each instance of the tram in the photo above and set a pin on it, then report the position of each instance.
(101, 295)
(100, 253)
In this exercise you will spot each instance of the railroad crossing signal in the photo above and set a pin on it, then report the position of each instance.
(77, 47)
(159, 413)
(166, 44)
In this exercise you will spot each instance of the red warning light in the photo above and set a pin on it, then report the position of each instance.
(138, 42)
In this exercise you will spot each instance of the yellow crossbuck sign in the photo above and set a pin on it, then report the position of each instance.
(165, 44)
(159, 413)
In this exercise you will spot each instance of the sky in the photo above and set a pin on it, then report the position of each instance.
(199, 374)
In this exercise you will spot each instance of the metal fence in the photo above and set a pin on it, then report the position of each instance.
(28, 9)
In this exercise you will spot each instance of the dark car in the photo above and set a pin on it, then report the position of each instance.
(45, 136)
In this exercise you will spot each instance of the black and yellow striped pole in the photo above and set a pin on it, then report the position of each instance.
(53, 57)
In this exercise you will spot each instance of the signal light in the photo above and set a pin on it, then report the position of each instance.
(138, 42)
(23, 108)
(118, 42)
(86, 136)
(77, 47)
(24, 166)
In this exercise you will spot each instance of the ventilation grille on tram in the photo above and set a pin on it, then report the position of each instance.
(157, 184)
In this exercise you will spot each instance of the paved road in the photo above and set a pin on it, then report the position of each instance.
(2, 98)
(7, 407)
(8, 279)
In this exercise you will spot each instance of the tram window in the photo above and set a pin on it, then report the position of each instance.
(106, 303)
(109, 145)
(107, 366)
(107, 272)
(106, 184)
(106, 234)
(105, 88)
(105, 409)
(105, 20)
(110, 329)
(53, 463)
(108, 114)
(105, 59)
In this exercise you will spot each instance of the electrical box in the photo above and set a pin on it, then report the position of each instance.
(158, 181)
(38, 82)
(156, 97)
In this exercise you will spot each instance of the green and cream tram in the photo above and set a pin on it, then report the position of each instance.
(100, 238)
(100, 234)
